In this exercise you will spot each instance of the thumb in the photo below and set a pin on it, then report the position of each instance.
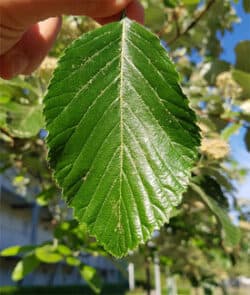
(26, 55)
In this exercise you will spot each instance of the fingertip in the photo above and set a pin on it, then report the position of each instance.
(134, 11)
(29, 52)
(39, 41)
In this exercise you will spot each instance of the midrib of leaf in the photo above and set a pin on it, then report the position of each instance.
(121, 97)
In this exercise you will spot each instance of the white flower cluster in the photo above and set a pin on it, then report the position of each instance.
(215, 148)
(227, 86)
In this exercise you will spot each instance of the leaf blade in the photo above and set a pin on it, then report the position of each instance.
(24, 267)
(137, 135)
(232, 233)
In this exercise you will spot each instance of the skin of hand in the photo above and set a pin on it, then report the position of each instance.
(28, 28)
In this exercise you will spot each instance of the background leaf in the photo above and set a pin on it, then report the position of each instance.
(232, 233)
(190, 2)
(247, 139)
(91, 277)
(242, 78)
(23, 120)
(230, 130)
(24, 267)
(171, 3)
(246, 5)
(214, 69)
(16, 250)
(242, 56)
(48, 254)
(154, 17)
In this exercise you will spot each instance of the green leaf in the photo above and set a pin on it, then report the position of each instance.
(4, 98)
(48, 254)
(242, 56)
(73, 261)
(222, 179)
(9, 91)
(45, 196)
(242, 78)
(3, 117)
(171, 3)
(154, 17)
(246, 5)
(174, 3)
(247, 139)
(24, 267)
(232, 233)
(18, 87)
(69, 228)
(213, 189)
(230, 130)
(15, 250)
(23, 120)
(64, 250)
(122, 139)
(190, 2)
(214, 69)
(91, 277)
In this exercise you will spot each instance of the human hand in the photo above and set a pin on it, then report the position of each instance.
(28, 28)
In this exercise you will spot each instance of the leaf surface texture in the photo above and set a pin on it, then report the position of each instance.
(122, 139)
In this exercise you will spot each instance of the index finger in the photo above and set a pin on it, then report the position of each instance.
(23, 13)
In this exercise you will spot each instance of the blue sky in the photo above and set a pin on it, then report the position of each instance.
(241, 32)
(240, 154)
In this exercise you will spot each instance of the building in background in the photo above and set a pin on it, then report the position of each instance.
(23, 222)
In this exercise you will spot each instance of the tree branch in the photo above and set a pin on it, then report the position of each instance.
(243, 123)
(178, 31)
(193, 23)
